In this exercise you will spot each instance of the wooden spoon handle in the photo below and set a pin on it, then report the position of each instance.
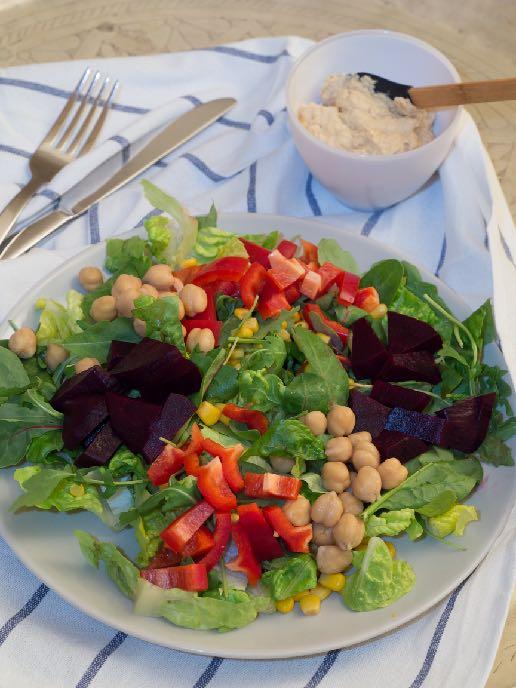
(464, 93)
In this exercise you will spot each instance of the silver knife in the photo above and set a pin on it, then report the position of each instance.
(180, 130)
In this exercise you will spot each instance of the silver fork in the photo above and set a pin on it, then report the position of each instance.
(83, 116)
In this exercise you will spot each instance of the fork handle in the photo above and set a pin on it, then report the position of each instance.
(12, 210)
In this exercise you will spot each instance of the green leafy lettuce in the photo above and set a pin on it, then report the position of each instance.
(268, 241)
(213, 243)
(57, 322)
(161, 317)
(289, 575)
(453, 521)
(118, 567)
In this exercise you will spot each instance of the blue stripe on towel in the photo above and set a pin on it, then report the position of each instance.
(312, 200)
(124, 143)
(267, 115)
(4, 148)
(100, 659)
(93, 223)
(251, 189)
(208, 673)
(323, 668)
(24, 612)
(247, 54)
(221, 120)
(370, 223)
(442, 257)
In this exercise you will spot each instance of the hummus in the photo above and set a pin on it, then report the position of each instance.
(353, 117)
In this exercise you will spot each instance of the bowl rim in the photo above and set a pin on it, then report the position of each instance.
(372, 157)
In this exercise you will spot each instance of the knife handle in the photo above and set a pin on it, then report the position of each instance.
(30, 236)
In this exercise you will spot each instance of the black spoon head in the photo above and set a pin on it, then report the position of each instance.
(388, 87)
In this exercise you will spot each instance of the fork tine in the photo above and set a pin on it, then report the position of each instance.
(87, 120)
(84, 99)
(100, 121)
(68, 106)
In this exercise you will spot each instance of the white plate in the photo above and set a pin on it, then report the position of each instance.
(45, 543)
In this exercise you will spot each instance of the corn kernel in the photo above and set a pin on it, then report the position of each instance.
(379, 311)
(285, 335)
(241, 313)
(310, 605)
(284, 325)
(237, 354)
(234, 517)
(245, 332)
(208, 413)
(77, 490)
(321, 592)
(189, 263)
(299, 595)
(392, 549)
(297, 317)
(351, 383)
(285, 606)
(333, 581)
(324, 337)
(302, 324)
(235, 364)
(252, 324)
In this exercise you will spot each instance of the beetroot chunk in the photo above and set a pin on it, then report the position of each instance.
(408, 334)
(132, 419)
(176, 411)
(396, 445)
(92, 381)
(394, 395)
(421, 425)
(81, 417)
(117, 351)
(416, 365)
(156, 369)
(368, 354)
(370, 415)
(100, 448)
(467, 423)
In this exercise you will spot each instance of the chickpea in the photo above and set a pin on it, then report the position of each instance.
(365, 454)
(23, 342)
(203, 339)
(163, 294)
(315, 421)
(90, 278)
(339, 449)
(149, 290)
(392, 473)
(282, 464)
(332, 559)
(160, 276)
(85, 364)
(194, 299)
(140, 327)
(125, 302)
(368, 484)
(357, 437)
(327, 509)
(297, 511)
(55, 355)
(124, 282)
(341, 421)
(322, 535)
(177, 285)
(335, 476)
(349, 531)
(103, 309)
(183, 330)
(351, 504)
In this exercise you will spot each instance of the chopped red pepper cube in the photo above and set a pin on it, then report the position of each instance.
(367, 299)
(220, 540)
(329, 276)
(348, 287)
(183, 528)
(229, 458)
(251, 284)
(229, 268)
(192, 577)
(272, 300)
(192, 464)
(199, 544)
(285, 271)
(263, 485)
(257, 253)
(292, 293)
(186, 275)
(245, 561)
(195, 444)
(165, 557)
(255, 420)
(214, 325)
(170, 461)
(295, 537)
(310, 253)
(287, 248)
(214, 488)
(311, 284)
(259, 532)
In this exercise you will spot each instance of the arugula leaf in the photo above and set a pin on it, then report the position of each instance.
(38, 484)
(306, 392)
(225, 306)
(453, 521)
(162, 319)
(270, 358)
(289, 575)
(56, 321)
(312, 487)
(42, 447)
(223, 384)
(18, 426)
(408, 303)
(118, 567)
(128, 256)
(179, 495)
(211, 372)
(387, 277)
(275, 324)
(439, 504)
(493, 450)
(329, 251)
(263, 392)
(13, 378)
(95, 341)
(254, 464)
(269, 241)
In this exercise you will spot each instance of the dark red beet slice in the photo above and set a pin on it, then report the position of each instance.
(100, 449)
(395, 444)
(416, 365)
(117, 351)
(421, 425)
(368, 354)
(92, 381)
(81, 417)
(394, 395)
(132, 419)
(410, 334)
(467, 423)
(156, 369)
(176, 411)
(370, 415)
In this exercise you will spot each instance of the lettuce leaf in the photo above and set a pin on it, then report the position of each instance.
(128, 256)
(289, 575)
(453, 521)
(56, 322)
(159, 235)
(162, 319)
(263, 392)
(389, 522)
(213, 243)
(329, 251)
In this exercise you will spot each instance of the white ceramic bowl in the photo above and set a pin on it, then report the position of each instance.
(369, 182)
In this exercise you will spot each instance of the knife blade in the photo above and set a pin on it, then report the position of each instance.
(174, 135)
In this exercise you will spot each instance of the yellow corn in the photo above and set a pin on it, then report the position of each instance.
(77, 490)
(324, 337)
(285, 335)
(299, 595)
(302, 324)
(241, 313)
(234, 517)
(321, 592)
(379, 311)
(284, 325)
(208, 413)
(297, 317)
(333, 581)
(252, 324)
(189, 263)
(285, 606)
(245, 332)
(391, 548)
(237, 354)
(234, 364)
(310, 605)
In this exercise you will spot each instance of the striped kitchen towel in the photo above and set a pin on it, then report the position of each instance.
(247, 162)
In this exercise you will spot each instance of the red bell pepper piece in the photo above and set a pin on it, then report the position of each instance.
(214, 325)
(292, 293)
(214, 487)
(165, 557)
(259, 532)
(311, 284)
(192, 577)
(310, 254)
(272, 300)
(195, 444)
(285, 271)
(183, 528)
(170, 461)
(251, 283)
(199, 544)
(287, 248)
(329, 276)
(229, 268)
(348, 287)
(367, 299)
(186, 275)
(220, 540)
(255, 420)
(257, 253)
(296, 537)
(245, 561)
(226, 287)
(264, 485)
(192, 464)
(229, 458)
(310, 308)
